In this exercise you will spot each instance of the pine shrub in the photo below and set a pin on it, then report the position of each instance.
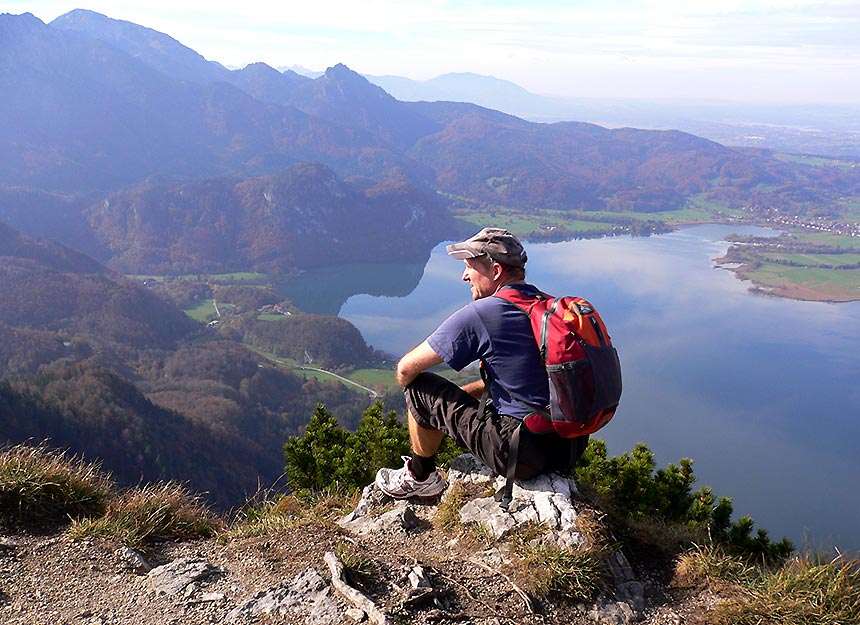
(634, 491)
(329, 456)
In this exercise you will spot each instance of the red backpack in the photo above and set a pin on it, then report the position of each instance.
(582, 365)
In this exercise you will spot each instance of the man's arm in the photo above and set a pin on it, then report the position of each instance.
(475, 389)
(419, 359)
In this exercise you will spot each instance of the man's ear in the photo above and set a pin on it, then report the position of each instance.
(498, 270)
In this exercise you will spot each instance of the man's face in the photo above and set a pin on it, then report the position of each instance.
(481, 276)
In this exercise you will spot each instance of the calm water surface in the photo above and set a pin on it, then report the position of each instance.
(761, 392)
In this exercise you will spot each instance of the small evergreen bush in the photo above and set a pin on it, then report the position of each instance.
(631, 489)
(329, 456)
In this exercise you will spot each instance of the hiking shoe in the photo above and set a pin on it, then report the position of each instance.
(401, 484)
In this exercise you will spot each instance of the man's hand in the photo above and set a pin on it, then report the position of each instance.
(419, 359)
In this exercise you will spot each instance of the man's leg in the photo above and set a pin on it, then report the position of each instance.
(418, 476)
(425, 443)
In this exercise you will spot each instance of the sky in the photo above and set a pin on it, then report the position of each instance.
(792, 51)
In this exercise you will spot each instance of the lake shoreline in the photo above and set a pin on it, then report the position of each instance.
(797, 292)
(786, 290)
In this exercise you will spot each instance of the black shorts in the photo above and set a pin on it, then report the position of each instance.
(439, 404)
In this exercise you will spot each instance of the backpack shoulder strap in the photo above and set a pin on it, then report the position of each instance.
(523, 301)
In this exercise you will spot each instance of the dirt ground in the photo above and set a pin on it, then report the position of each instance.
(52, 580)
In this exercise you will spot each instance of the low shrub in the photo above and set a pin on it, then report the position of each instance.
(329, 456)
(639, 496)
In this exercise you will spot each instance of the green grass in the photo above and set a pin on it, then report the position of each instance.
(684, 216)
(699, 201)
(239, 277)
(146, 277)
(826, 238)
(303, 370)
(374, 377)
(270, 317)
(835, 284)
(517, 221)
(815, 161)
(499, 185)
(203, 312)
(816, 260)
(526, 223)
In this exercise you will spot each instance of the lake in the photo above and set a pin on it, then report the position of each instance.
(761, 392)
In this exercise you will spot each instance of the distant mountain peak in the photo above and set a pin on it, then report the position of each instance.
(339, 69)
(260, 68)
(158, 50)
(13, 26)
(101, 26)
(342, 74)
(23, 18)
(342, 83)
(301, 70)
(87, 15)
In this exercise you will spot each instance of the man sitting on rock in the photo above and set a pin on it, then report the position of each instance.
(498, 334)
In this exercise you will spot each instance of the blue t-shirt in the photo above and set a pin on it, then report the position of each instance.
(497, 332)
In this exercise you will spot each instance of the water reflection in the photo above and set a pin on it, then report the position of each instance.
(760, 391)
(324, 290)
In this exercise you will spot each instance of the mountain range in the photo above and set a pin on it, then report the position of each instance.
(821, 129)
(96, 107)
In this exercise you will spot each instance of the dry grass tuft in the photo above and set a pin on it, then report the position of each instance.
(447, 515)
(270, 513)
(710, 563)
(805, 590)
(162, 510)
(38, 484)
(358, 565)
(575, 574)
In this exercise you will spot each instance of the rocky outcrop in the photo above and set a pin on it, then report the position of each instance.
(547, 501)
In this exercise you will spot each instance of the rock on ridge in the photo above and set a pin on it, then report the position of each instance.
(307, 595)
(547, 500)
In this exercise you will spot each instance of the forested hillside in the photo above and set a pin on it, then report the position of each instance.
(302, 216)
(101, 365)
